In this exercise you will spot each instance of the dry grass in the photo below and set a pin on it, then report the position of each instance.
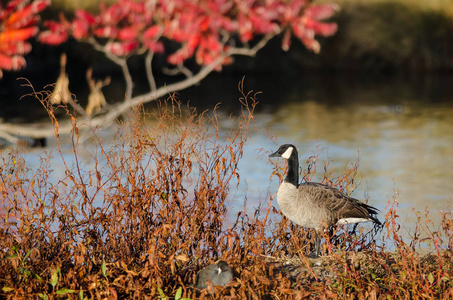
(146, 214)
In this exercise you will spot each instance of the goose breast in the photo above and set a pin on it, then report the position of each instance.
(298, 205)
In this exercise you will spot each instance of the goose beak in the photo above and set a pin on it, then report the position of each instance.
(275, 154)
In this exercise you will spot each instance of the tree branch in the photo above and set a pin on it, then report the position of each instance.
(10, 132)
(149, 71)
(122, 62)
(252, 51)
(180, 69)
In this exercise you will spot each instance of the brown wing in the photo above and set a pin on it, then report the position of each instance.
(338, 204)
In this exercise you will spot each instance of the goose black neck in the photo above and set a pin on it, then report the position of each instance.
(292, 175)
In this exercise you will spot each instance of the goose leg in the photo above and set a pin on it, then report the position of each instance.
(317, 251)
(318, 244)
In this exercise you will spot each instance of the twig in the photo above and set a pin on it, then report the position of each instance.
(149, 71)
(11, 130)
(180, 69)
(122, 62)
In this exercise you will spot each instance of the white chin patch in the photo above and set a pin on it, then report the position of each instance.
(347, 221)
(288, 153)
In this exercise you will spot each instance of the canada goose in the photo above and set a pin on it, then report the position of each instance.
(217, 274)
(316, 205)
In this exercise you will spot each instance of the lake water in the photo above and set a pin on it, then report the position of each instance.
(401, 129)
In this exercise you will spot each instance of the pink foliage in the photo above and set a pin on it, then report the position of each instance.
(203, 29)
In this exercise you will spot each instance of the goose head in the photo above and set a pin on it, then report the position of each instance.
(289, 152)
(285, 151)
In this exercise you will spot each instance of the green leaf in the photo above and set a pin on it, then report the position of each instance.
(161, 293)
(81, 296)
(38, 277)
(104, 268)
(7, 289)
(178, 294)
(430, 278)
(64, 291)
(54, 278)
(28, 253)
(43, 296)
(25, 272)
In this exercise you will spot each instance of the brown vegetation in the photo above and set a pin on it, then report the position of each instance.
(147, 213)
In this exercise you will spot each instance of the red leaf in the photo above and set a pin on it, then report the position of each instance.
(181, 55)
(53, 37)
(261, 25)
(173, 31)
(54, 26)
(192, 43)
(300, 31)
(127, 34)
(325, 29)
(307, 36)
(152, 32)
(211, 42)
(156, 47)
(15, 3)
(220, 6)
(121, 48)
(106, 32)
(114, 14)
(85, 16)
(138, 7)
(64, 21)
(245, 28)
(312, 45)
(80, 29)
(176, 58)
(27, 22)
(228, 24)
(26, 12)
(11, 62)
(204, 24)
(12, 48)
(17, 34)
(321, 12)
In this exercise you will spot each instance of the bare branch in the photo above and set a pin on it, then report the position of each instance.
(122, 62)
(252, 51)
(10, 131)
(149, 71)
(180, 69)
